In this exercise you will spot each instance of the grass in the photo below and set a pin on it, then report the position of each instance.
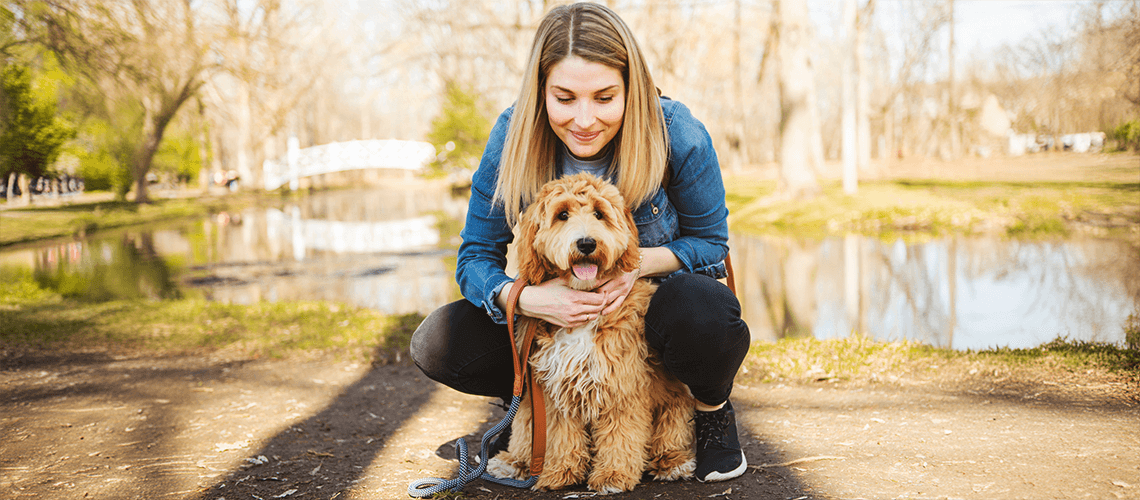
(26, 224)
(858, 358)
(932, 207)
(37, 317)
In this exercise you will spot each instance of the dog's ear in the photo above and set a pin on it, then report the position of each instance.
(532, 266)
(628, 260)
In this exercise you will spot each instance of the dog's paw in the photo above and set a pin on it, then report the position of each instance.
(682, 471)
(503, 469)
(610, 482)
(557, 480)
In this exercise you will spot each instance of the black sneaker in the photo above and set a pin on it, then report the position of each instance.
(499, 444)
(719, 456)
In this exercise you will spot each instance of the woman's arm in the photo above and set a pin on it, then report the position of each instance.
(696, 191)
(482, 257)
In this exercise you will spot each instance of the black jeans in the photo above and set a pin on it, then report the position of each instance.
(693, 321)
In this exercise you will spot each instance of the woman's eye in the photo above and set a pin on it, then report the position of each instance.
(607, 98)
(563, 215)
(564, 100)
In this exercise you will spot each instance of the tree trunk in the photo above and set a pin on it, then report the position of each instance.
(11, 186)
(144, 156)
(863, 87)
(849, 122)
(203, 150)
(798, 162)
(154, 127)
(245, 134)
(25, 188)
(740, 143)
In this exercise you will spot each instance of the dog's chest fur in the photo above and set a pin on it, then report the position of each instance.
(578, 371)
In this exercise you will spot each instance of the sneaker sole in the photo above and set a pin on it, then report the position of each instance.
(724, 476)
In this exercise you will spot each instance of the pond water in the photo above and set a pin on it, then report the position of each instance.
(393, 250)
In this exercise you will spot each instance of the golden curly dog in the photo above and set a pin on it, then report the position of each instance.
(612, 412)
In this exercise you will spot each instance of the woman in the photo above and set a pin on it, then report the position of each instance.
(588, 103)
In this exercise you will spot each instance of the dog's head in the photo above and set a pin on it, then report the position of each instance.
(578, 227)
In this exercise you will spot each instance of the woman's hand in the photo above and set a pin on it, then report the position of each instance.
(617, 289)
(555, 302)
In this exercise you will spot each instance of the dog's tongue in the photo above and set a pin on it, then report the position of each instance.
(585, 271)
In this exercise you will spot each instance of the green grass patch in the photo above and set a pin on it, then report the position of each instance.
(36, 317)
(21, 225)
(851, 358)
(1069, 355)
(937, 207)
(858, 358)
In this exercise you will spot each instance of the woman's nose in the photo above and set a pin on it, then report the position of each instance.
(584, 117)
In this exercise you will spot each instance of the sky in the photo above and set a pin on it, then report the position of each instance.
(981, 25)
(989, 24)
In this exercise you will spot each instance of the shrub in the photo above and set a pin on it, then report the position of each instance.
(461, 130)
(1127, 136)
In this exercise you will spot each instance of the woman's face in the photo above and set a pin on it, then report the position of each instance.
(585, 102)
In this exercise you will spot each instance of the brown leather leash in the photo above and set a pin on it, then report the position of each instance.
(524, 376)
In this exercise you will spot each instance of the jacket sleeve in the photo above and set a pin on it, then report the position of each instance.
(696, 190)
(482, 258)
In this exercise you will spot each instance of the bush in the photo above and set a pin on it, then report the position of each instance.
(101, 172)
(1127, 136)
(460, 131)
(1132, 332)
(177, 157)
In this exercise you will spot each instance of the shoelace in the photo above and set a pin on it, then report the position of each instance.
(711, 427)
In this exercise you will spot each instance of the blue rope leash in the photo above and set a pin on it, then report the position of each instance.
(427, 487)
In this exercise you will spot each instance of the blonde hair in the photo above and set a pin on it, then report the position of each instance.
(595, 33)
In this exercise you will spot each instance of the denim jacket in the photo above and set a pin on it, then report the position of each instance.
(688, 217)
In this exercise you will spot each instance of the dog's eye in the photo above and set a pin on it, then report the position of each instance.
(598, 214)
(563, 215)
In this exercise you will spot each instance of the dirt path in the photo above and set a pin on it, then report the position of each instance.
(97, 426)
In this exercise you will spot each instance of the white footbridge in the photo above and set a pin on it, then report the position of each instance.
(341, 156)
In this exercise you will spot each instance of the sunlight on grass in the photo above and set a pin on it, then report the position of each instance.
(36, 223)
(918, 208)
(36, 317)
(860, 358)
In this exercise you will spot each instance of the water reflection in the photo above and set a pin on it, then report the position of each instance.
(376, 248)
(964, 293)
(383, 248)
(126, 267)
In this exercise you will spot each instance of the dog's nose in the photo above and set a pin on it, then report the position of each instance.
(587, 245)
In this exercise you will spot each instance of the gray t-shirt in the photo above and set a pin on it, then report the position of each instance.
(571, 165)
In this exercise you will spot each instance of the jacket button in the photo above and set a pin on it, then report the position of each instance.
(654, 209)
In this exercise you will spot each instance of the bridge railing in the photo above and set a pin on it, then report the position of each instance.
(341, 156)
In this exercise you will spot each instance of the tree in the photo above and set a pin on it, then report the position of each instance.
(150, 52)
(461, 129)
(274, 55)
(32, 134)
(1130, 24)
(799, 122)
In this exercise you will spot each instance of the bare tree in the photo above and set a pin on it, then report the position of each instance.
(150, 51)
(850, 103)
(1131, 28)
(863, 23)
(275, 54)
(799, 124)
(919, 37)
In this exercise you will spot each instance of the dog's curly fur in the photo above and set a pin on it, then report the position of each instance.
(612, 412)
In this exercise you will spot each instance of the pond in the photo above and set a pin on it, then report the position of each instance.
(393, 250)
